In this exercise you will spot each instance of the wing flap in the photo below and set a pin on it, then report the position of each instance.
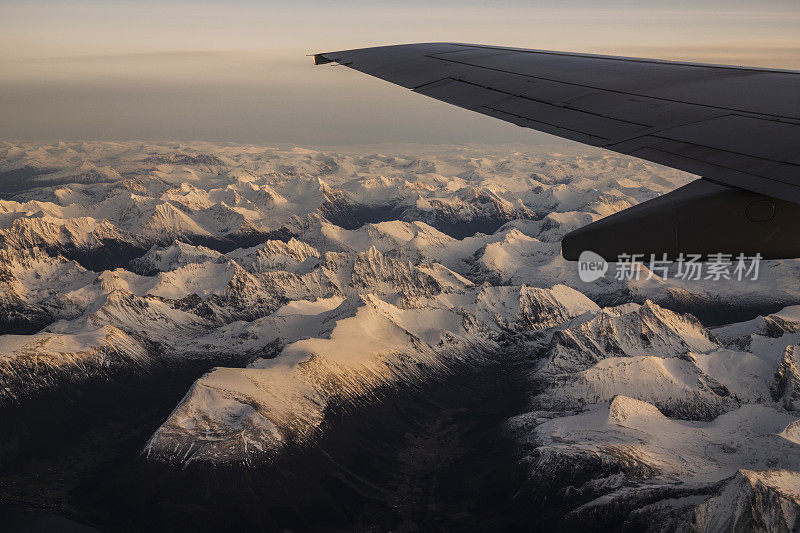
(462, 94)
(759, 138)
(552, 129)
(599, 126)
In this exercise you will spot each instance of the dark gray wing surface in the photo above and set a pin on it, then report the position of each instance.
(738, 126)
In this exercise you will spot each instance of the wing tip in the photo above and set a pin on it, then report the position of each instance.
(321, 59)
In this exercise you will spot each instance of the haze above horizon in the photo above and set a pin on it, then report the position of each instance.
(238, 72)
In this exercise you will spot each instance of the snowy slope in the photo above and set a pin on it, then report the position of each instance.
(317, 280)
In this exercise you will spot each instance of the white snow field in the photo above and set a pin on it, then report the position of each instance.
(320, 278)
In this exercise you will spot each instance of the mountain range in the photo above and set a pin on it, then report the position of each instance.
(293, 289)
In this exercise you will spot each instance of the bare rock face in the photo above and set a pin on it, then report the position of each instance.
(786, 385)
(34, 364)
(753, 501)
(34, 289)
(628, 330)
(166, 259)
(542, 308)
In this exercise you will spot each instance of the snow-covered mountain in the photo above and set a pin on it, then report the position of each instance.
(314, 281)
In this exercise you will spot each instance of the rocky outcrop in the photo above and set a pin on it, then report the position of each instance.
(628, 330)
(753, 501)
(786, 385)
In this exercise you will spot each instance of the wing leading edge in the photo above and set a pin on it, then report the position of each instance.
(738, 127)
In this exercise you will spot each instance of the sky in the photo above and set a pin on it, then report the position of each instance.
(238, 71)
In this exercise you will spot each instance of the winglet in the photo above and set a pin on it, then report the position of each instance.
(320, 59)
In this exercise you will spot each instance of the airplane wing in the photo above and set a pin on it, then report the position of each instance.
(737, 127)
